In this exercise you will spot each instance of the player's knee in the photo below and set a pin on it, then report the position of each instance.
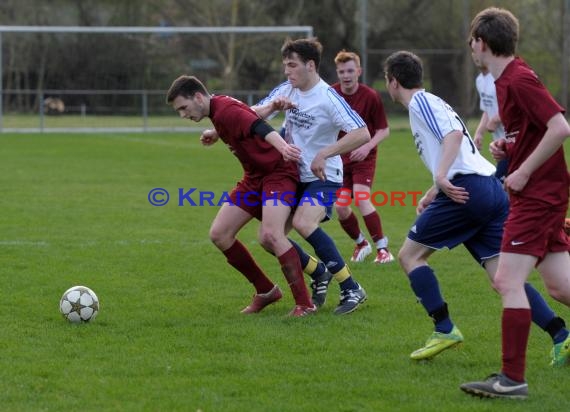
(268, 238)
(220, 238)
(302, 226)
(343, 212)
(405, 260)
(366, 207)
(503, 285)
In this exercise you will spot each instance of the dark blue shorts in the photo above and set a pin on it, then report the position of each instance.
(478, 224)
(318, 193)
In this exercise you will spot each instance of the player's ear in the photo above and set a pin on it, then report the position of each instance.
(199, 97)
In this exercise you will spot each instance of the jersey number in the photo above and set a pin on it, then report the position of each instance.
(466, 134)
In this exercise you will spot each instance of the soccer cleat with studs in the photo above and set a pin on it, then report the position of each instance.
(361, 250)
(320, 287)
(383, 256)
(350, 300)
(497, 385)
(261, 300)
(300, 311)
(560, 354)
(437, 343)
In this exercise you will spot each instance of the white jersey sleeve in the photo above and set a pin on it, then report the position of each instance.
(320, 114)
(431, 119)
(488, 102)
(284, 89)
(480, 85)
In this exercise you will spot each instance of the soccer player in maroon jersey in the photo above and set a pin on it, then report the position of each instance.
(538, 185)
(266, 191)
(360, 164)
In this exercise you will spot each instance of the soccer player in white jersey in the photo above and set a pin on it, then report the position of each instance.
(466, 204)
(490, 120)
(314, 115)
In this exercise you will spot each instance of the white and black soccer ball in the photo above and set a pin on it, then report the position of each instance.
(79, 304)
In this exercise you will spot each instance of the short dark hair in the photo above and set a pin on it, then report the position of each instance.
(406, 68)
(306, 49)
(498, 28)
(185, 86)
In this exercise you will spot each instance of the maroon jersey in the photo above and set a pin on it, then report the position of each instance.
(233, 120)
(525, 106)
(367, 103)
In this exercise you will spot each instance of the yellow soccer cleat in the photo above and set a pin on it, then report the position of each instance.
(560, 354)
(438, 342)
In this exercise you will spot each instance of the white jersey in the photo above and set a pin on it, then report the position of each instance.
(431, 119)
(315, 123)
(488, 103)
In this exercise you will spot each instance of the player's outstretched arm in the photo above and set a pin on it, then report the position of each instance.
(280, 103)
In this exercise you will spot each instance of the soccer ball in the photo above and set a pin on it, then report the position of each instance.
(79, 304)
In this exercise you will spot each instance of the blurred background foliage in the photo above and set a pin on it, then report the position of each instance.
(436, 30)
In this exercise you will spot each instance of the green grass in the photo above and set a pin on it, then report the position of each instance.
(170, 337)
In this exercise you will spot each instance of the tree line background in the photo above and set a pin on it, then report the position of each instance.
(436, 30)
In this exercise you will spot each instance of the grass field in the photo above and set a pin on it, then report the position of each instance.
(170, 337)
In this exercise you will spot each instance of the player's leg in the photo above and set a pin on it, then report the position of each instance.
(363, 177)
(347, 218)
(442, 224)
(227, 223)
(310, 212)
(372, 221)
(349, 224)
(272, 237)
(512, 272)
(315, 269)
(485, 248)
(555, 267)
(544, 317)
(413, 259)
(555, 270)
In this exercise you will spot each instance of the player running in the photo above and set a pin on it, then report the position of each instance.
(466, 205)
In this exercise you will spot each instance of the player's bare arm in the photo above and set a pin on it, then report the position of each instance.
(280, 103)
(349, 142)
(557, 131)
(480, 131)
(493, 123)
(449, 150)
(360, 153)
(288, 151)
(426, 199)
(497, 149)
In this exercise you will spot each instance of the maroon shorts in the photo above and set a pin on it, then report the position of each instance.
(534, 228)
(252, 193)
(361, 173)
